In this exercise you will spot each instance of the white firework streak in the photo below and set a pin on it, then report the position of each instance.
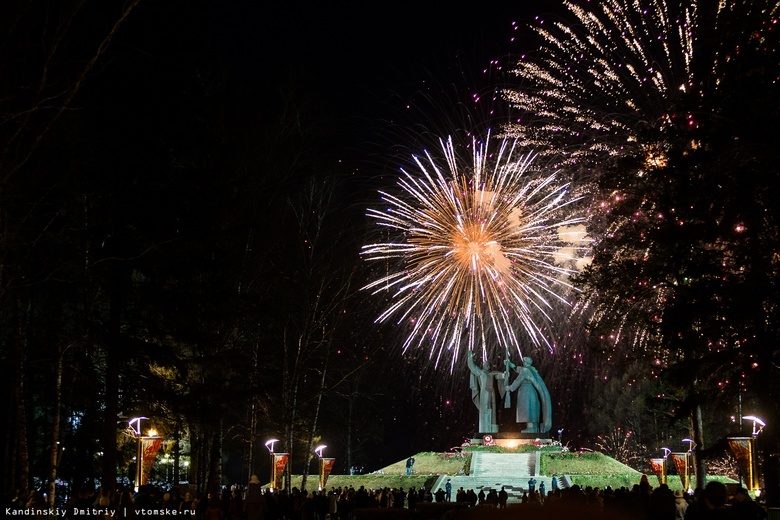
(472, 253)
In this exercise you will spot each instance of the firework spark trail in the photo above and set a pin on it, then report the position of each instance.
(596, 83)
(474, 252)
(636, 78)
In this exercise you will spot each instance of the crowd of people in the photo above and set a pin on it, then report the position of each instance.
(641, 502)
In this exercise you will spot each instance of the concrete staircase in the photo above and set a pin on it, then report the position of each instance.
(494, 470)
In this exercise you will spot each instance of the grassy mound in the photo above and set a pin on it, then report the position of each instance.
(598, 470)
(589, 469)
(431, 462)
(582, 468)
(427, 467)
(584, 463)
(372, 481)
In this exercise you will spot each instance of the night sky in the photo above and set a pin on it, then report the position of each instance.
(370, 65)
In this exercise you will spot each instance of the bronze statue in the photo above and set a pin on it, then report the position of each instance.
(533, 407)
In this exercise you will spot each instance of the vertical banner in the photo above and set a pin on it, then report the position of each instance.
(659, 468)
(681, 463)
(149, 448)
(280, 462)
(744, 451)
(326, 466)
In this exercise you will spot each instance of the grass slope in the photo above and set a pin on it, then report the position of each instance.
(584, 469)
(427, 467)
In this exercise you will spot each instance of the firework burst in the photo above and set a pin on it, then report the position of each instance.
(640, 94)
(623, 74)
(476, 251)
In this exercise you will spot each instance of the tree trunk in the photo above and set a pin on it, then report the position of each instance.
(290, 433)
(769, 439)
(215, 459)
(176, 452)
(252, 428)
(313, 429)
(350, 413)
(697, 427)
(54, 448)
(111, 413)
(22, 448)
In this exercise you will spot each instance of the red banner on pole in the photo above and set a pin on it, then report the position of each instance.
(681, 463)
(149, 446)
(743, 449)
(659, 468)
(280, 462)
(326, 466)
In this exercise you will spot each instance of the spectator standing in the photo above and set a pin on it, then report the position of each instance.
(680, 505)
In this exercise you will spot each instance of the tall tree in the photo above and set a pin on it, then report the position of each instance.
(671, 107)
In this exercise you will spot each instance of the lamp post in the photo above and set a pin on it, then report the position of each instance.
(278, 465)
(749, 460)
(689, 462)
(659, 466)
(665, 461)
(318, 450)
(758, 424)
(269, 444)
(135, 426)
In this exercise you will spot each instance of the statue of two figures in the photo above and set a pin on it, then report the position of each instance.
(528, 393)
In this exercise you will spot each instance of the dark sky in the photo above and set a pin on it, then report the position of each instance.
(371, 62)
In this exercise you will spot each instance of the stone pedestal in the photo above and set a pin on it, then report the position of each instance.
(513, 439)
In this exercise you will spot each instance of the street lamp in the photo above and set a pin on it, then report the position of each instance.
(145, 443)
(744, 449)
(318, 450)
(659, 466)
(689, 462)
(135, 426)
(270, 445)
(757, 423)
(320, 463)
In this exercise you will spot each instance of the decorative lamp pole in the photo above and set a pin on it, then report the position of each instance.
(135, 426)
(689, 462)
(758, 424)
(270, 445)
(751, 463)
(665, 461)
(318, 450)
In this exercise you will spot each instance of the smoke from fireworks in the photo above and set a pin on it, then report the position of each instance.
(475, 251)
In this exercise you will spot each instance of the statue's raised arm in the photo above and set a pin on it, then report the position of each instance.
(483, 394)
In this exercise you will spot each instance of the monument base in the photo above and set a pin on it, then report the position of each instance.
(513, 439)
